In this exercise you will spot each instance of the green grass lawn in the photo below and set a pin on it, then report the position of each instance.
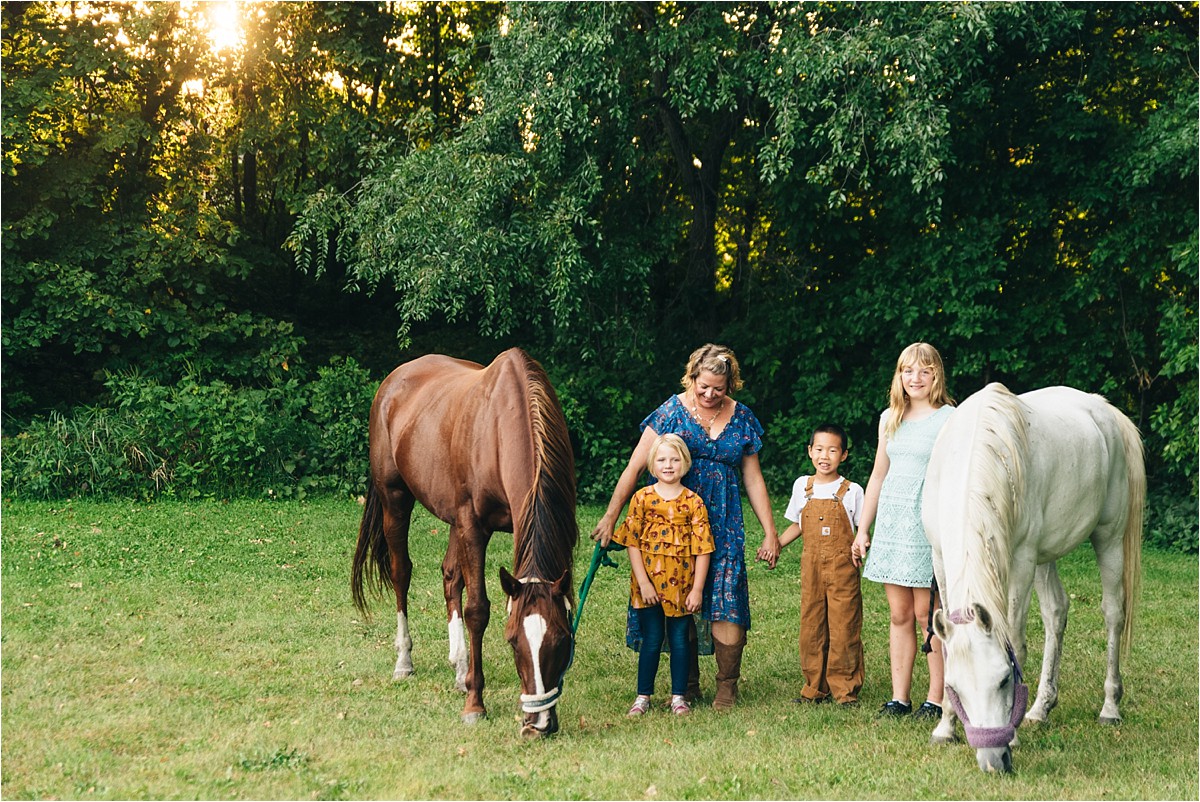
(211, 650)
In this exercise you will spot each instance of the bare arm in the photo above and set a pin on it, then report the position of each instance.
(862, 542)
(789, 534)
(603, 532)
(760, 502)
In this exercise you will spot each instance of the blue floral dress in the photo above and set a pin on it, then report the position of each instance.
(714, 475)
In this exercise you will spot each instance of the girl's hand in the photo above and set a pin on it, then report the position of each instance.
(694, 600)
(858, 549)
(648, 593)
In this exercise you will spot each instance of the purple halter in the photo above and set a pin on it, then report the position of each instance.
(992, 737)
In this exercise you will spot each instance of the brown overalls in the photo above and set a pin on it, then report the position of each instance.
(831, 653)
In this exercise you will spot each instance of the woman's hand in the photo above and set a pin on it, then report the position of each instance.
(768, 552)
(603, 532)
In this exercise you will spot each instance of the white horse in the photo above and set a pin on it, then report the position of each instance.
(1014, 483)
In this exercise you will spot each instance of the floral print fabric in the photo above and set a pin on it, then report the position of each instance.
(670, 534)
(714, 476)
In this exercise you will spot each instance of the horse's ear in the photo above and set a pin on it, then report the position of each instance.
(983, 617)
(942, 626)
(561, 586)
(509, 583)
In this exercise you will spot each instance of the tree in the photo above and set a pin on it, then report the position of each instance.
(818, 185)
(149, 176)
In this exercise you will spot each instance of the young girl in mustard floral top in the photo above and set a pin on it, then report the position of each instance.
(669, 540)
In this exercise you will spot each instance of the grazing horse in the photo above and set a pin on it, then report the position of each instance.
(483, 449)
(1014, 483)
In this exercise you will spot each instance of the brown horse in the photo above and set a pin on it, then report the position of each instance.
(483, 449)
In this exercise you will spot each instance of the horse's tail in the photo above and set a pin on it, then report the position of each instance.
(1135, 471)
(371, 553)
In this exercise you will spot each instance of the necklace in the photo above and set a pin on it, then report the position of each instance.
(706, 424)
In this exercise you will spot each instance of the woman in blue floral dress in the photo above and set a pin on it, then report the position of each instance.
(723, 437)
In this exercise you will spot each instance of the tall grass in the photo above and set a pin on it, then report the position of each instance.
(210, 650)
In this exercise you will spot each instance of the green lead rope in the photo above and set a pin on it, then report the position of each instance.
(599, 557)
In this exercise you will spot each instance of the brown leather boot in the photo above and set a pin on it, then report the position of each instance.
(729, 670)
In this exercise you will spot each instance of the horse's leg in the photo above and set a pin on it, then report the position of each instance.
(472, 547)
(1111, 559)
(1054, 602)
(397, 515)
(452, 585)
(1020, 593)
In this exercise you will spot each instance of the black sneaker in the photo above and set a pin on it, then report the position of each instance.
(928, 710)
(895, 708)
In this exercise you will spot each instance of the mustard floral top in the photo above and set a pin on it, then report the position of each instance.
(670, 534)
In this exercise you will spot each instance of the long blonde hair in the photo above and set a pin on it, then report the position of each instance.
(918, 355)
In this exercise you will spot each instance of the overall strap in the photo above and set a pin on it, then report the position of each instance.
(843, 489)
(808, 490)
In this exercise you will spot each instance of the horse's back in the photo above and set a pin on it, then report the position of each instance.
(448, 429)
(1070, 449)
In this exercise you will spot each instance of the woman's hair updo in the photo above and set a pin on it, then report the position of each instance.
(716, 359)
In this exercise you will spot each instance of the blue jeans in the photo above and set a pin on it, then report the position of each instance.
(653, 622)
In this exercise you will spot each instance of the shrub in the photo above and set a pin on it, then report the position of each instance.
(340, 407)
(1170, 523)
(201, 438)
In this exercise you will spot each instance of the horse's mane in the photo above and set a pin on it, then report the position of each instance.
(545, 530)
(997, 487)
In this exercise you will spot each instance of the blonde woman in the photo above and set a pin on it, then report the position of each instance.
(723, 437)
(900, 556)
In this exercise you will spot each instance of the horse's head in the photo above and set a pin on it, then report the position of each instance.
(983, 683)
(539, 630)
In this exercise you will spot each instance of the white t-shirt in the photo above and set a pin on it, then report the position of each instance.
(852, 501)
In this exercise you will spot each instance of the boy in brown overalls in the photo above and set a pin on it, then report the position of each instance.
(824, 509)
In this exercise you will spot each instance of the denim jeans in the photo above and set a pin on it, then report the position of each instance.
(653, 622)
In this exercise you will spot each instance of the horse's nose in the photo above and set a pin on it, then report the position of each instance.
(994, 759)
(531, 731)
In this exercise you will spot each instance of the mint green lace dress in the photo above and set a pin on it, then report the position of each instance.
(900, 554)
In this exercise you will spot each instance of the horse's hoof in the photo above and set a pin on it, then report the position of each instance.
(1110, 720)
(461, 687)
(473, 718)
(941, 740)
(1033, 721)
(397, 676)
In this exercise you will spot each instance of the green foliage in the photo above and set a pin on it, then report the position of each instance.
(198, 438)
(339, 405)
(1171, 521)
(605, 184)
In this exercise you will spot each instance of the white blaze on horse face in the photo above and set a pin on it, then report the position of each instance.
(458, 650)
(404, 665)
(535, 632)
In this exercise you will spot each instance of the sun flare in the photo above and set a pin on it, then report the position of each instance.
(224, 24)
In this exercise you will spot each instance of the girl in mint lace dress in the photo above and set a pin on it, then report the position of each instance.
(900, 556)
